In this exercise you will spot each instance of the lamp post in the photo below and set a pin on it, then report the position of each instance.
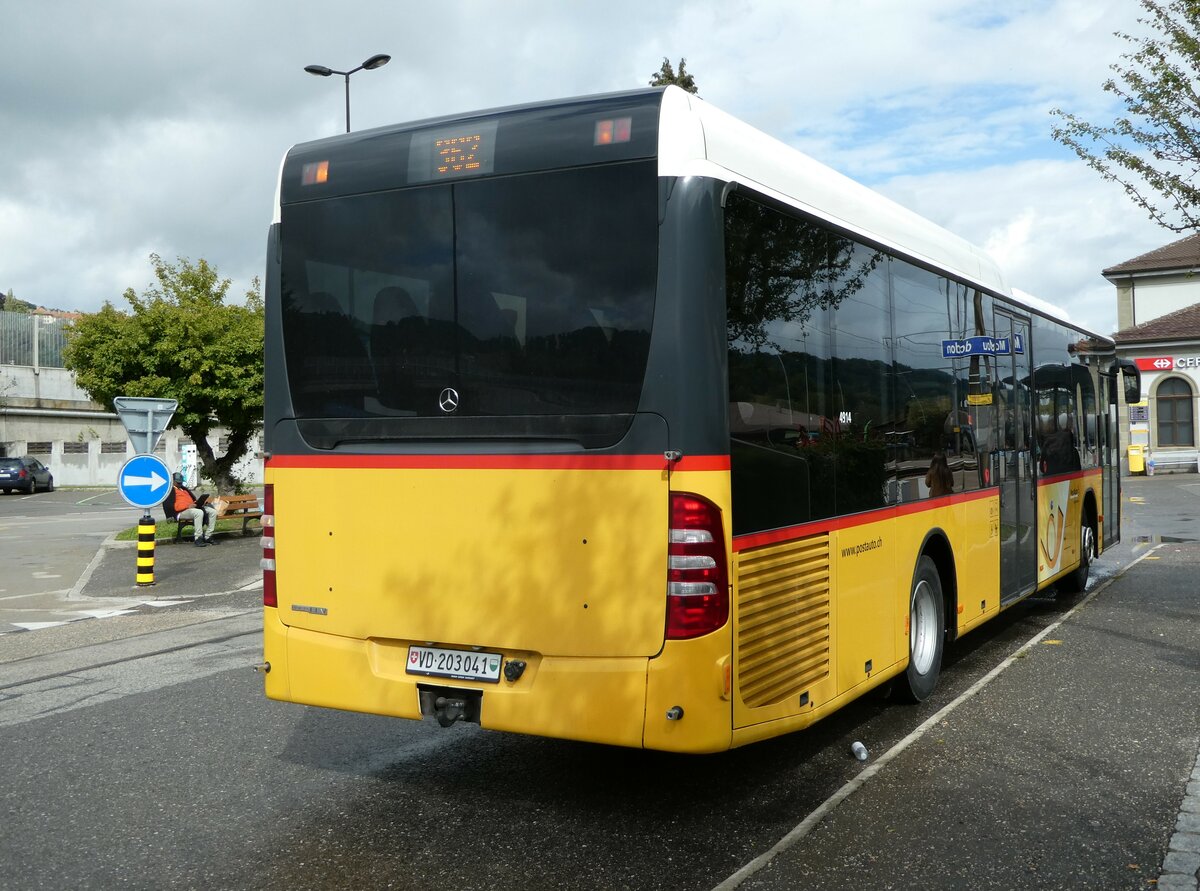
(376, 61)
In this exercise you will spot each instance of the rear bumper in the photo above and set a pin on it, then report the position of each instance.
(588, 699)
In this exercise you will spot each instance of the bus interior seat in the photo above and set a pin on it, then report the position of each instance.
(396, 322)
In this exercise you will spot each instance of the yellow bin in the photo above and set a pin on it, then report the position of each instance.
(1137, 459)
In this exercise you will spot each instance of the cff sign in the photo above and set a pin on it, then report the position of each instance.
(1155, 363)
(1167, 363)
(982, 346)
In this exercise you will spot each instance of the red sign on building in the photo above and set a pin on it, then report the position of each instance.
(1155, 363)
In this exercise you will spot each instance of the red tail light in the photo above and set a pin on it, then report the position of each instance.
(697, 574)
(22, 474)
(268, 545)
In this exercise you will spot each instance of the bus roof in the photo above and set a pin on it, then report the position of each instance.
(695, 137)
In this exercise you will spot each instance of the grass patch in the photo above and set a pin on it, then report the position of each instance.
(167, 528)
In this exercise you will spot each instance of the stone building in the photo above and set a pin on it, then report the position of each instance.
(1158, 316)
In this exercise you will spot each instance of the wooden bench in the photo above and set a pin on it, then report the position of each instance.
(244, 506)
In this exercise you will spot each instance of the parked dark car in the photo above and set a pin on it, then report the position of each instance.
(25, 474)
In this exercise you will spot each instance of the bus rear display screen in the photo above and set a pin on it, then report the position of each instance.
(450, 153)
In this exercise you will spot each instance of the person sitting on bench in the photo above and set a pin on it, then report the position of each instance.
(190, 509)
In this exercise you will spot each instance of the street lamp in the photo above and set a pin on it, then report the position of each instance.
(376, 61)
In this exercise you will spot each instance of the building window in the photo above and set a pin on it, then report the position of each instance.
(1173, 407)
(38, 448)
(112, 447)
(75, 448)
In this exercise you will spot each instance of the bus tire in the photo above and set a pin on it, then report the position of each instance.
(1076, 581)
(926, 632)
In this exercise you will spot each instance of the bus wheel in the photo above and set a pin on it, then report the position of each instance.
(1077, 580)
(926, 632)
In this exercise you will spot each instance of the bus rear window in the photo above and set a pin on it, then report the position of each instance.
(515, 297)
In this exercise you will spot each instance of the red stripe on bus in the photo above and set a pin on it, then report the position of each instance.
(1070, 475)
(818, 527)
(498, 462)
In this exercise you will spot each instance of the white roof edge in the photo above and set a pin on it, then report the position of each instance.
(278, 215)
(698, 139)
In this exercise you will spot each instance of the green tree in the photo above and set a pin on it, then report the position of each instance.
(667, 75)
(181, 341)
(1153, 150)
(9, 303)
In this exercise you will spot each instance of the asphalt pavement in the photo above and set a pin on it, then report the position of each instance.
(1073, 764)
(180, 568)
(107, 587)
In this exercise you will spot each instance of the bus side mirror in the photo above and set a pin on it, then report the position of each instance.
(1132, 379)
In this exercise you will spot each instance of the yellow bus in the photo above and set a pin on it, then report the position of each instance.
(614, 419)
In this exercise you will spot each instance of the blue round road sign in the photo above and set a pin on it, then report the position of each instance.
(144, 481)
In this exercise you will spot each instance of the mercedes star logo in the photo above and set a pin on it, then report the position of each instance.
(448, 400)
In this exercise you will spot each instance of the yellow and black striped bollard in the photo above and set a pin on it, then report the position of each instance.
(145, 553)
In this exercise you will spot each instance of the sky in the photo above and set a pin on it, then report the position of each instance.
(157, 127)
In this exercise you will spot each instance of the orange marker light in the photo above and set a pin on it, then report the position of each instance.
(315, 173)
(613, 130)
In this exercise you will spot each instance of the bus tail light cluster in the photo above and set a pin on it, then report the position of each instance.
(697, 574)
(268, 545)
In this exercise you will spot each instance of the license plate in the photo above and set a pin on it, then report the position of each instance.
(462, 665)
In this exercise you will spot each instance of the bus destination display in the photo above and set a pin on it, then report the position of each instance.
(452, 153)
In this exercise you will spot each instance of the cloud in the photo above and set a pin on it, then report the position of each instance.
(1051, 225)
(159, 127)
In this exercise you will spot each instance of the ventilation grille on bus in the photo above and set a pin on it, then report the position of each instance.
(783, 620)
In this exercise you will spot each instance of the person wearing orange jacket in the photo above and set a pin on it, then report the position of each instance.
(190, 509)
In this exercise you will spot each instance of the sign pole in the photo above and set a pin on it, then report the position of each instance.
(145, 550)
(143, 480)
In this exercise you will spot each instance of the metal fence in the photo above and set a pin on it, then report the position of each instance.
(17, 333)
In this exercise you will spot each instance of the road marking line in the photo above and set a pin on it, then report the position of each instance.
(107, 613)
(37, 626)
(98, 495)
(829, 804)
(77, 589)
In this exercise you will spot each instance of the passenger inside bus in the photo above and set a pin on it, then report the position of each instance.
(1059, 451)
(939, 479)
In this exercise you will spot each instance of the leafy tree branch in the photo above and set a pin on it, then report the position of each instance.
(181, 340)
(1153, 150)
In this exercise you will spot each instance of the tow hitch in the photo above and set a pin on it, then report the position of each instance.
(449, 706)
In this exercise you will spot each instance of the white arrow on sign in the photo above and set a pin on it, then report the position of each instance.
(153, 480)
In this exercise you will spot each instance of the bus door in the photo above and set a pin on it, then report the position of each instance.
(1110, 458)
(1018, 484)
